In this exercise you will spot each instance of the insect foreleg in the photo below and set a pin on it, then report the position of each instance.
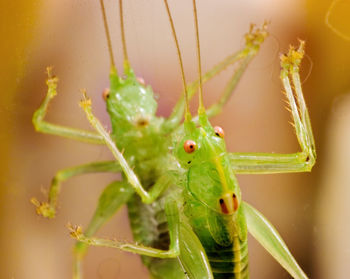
(48, 209)
(294, 72)
(147, 197)
(172, 213)
(269, 238)
(267, 163)
(48, 128)
(277, 163)
(112, 198)
(254, 38)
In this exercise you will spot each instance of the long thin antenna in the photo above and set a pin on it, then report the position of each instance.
(201, 108)
(108, 36)
(125, 52)
(187, 112)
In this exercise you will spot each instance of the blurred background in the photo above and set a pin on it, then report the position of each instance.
(310, 210)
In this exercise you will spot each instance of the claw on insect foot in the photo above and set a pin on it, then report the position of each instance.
(49, 71)
(256, 35)
(44, 209)
(86, 101)
(51, 82)
(75, 231)
(293, 57)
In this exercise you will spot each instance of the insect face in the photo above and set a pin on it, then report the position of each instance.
(130, 102)
(210, 178)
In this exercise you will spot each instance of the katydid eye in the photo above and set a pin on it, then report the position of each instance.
(190, 146)
(219, 132)
(105, 94)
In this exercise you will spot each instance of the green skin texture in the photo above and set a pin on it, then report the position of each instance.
(191, 237)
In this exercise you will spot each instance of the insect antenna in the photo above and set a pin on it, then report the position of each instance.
(187, 112)
(201, 109)
(122, 29)
(109, 43)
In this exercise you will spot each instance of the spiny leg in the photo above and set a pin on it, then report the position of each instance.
(112, 198)
(172, 213)
(48, 128)
(146, 196)
(305, 118)
(254, 38)
(281, 163)
(48, 209)
(192, 261)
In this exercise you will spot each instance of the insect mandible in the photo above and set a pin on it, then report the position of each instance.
(185, 206)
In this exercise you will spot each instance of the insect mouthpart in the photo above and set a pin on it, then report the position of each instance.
(142, 121)
(228, 203)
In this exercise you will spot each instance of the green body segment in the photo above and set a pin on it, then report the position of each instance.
(228, 257)
(149, 226)
(135, 128)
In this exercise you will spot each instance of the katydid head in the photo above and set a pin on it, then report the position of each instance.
(202, 151)
(129, 101)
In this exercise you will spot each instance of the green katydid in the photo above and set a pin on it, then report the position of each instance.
(185, 207)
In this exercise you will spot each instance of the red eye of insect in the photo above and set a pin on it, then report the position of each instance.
(219, 132)
(105, 94)
(190, 146)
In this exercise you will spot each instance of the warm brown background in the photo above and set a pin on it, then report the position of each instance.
(309, 210)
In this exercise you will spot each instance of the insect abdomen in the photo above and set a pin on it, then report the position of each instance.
(230, 262)
(150, 228)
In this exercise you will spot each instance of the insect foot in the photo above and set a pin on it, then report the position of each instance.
(75, 231)
(44, 209)
(51, 83)
(293, 57)
(86, 101)
(256, 36)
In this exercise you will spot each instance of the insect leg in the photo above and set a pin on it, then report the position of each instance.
(48, 128)
(278, 163)
(112, 198)
(147, 197)
(48, 209)
(192, 261)
(269, 238)
(172, 213)
(254, 38)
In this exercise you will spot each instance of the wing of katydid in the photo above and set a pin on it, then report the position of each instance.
(192, 254)
(269, 238)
